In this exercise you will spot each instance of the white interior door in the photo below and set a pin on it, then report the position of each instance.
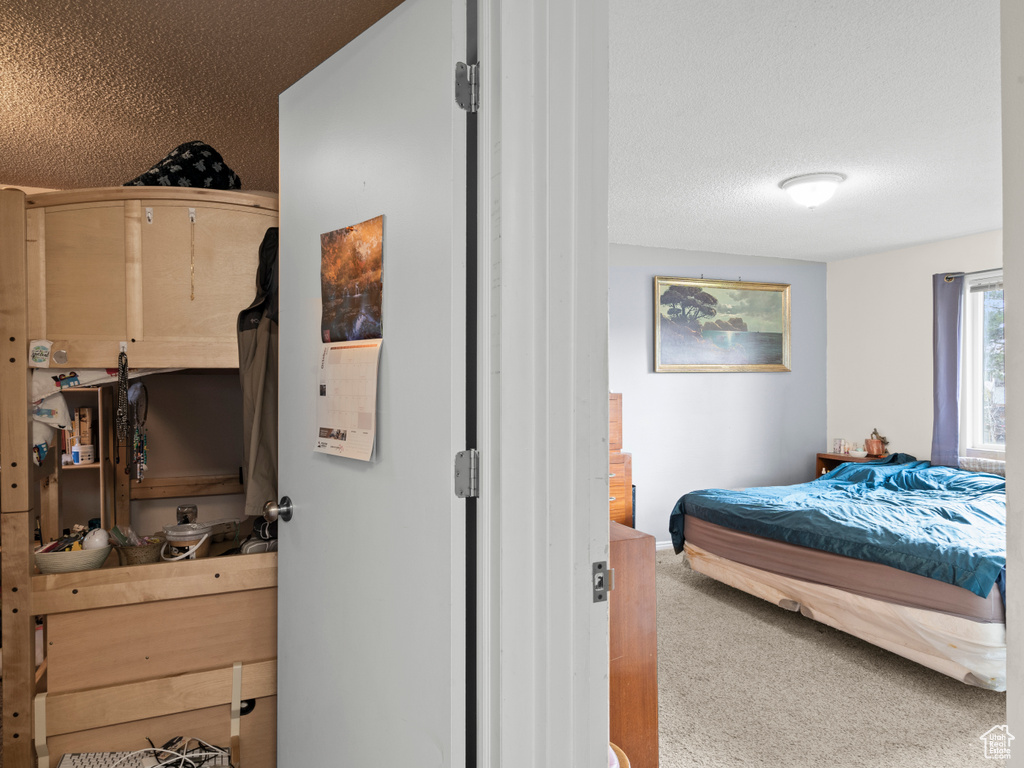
(371, 571)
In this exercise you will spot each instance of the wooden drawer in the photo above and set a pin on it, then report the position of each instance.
(617, 488)
(614, 423)
(620, 488)
(618, 465)
(619, 513)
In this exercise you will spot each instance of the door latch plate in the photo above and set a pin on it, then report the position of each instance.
(602, 580)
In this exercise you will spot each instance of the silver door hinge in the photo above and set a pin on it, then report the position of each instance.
(603, 580)
(467, 86)
(467, 474)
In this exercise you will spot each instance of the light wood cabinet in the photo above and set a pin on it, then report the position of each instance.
(164, 271)
(79, 252)
(198, 271)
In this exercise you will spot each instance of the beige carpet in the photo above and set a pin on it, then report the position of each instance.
(745, 683)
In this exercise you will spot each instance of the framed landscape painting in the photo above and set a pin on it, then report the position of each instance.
(720, 326)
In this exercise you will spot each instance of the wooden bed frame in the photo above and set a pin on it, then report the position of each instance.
(933, 639)
(155, 650)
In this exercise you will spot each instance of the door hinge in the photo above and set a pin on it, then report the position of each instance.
(603, 580)
(467, 474)
(467, 86)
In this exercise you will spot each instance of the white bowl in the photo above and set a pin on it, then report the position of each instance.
(68, 562)
(858, 454)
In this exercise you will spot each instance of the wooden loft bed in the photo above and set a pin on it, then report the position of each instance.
(147, 650)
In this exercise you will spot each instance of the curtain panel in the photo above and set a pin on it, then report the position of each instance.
(947, 324)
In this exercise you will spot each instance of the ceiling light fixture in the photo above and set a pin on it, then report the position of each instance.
(812, 189)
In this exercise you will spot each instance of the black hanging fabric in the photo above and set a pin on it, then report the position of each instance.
(257, 369)
(193, 164)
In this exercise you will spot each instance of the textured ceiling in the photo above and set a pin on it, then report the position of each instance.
(714, 103)
(93, 93)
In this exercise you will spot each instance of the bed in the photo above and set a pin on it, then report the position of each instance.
(902, 554)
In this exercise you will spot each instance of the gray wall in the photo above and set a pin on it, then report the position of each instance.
(713, 430)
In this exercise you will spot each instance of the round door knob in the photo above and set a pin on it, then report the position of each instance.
(282, 509)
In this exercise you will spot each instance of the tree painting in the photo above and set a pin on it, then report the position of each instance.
(351, 281)
(708, 325)
(688, 304)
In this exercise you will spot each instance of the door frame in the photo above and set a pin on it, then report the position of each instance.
(1011, 24)
(514, 559)
(543, 382)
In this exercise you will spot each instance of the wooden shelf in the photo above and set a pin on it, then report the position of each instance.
(101, 471)
(196, 485)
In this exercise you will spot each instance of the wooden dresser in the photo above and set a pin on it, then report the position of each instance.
(633, 646)
(620, 467)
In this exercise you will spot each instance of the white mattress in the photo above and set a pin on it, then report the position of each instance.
(971, 651)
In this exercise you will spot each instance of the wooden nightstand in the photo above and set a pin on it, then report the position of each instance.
(829, 461)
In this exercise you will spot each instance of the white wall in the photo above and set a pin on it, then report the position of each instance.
(703, 430)
(194, 427)
(880, 338)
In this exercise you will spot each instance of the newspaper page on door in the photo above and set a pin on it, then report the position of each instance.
(346, 413)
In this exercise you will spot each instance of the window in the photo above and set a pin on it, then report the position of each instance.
(983, 406)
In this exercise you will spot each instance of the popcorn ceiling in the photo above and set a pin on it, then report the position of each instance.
(94, 93)
(711, 105)
(714, 103)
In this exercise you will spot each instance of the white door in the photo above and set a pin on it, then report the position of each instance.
(371, 566)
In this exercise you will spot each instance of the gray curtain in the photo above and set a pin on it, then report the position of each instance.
(947, 302)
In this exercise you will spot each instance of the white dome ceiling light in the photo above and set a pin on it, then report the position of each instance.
(812, 189)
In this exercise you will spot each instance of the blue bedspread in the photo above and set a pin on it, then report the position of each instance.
(938, 522)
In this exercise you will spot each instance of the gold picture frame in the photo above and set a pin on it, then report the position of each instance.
(720, 326)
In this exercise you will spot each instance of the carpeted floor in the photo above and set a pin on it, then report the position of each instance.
(746, 683)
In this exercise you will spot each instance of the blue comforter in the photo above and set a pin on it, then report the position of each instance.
(938, 522)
